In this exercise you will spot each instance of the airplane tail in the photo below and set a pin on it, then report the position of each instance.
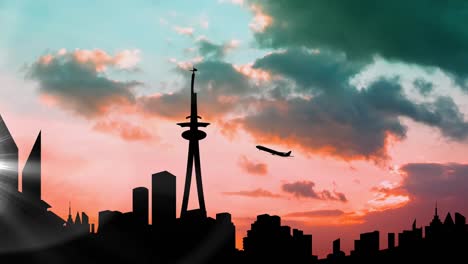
(289, 153)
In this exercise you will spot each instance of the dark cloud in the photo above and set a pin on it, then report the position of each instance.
(213, 51)
(257, 168)
(220, 87)
(210, 49)
(424, 87)
(78, 85)
(313, 71)
(305, 189)
(435, 181)
(316, 213)
(254, 193)
(426, 33)
(337, 118)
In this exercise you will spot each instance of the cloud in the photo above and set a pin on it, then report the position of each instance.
(316, 213)
(319, 111)
(387, 195)
(421, 185)
(204, 22)
(221, 90)
(187, 64)
(214, 51)
(260, 20)
(254, 193)
(424, 87)
(125, 130)
(253, 167)
(76, 80)
(305, 189)
(396, 30)
(436, 181)
(235, 2)
(188, 31)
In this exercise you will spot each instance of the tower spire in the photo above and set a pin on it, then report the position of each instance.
(69, 219)
(193, 135)
(436, 209)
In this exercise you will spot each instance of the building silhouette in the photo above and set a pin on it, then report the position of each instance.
(391, 240)
(409, 237)
(78, 227)
(268, 240)
(140, 206)
(434, 230)
(163, 199)
(367, 244)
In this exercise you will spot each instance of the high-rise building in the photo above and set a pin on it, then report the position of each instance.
(163, 198)
(8, 161)
(32, 172)
(336, 246)
(434, 230)
(226, 229)
(140, 206)
(391, 240)
(368, 244)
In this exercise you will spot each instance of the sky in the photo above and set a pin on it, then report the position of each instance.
(372, 100)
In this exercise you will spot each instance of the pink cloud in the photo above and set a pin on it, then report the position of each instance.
(125, 59)
(235, 2)
(188, 31)
(256, 168)
(255, 74)
(260, 20)
(187, 64)
(257, 193)
(124, 129)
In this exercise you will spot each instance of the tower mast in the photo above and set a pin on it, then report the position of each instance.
(193, 135)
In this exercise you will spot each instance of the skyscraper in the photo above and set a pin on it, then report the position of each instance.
(140, 206)
(193, 135)
(32, 172)
(8, 161)
(163, 198)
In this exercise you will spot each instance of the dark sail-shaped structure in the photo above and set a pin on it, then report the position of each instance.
(8, 162)
(32, 172)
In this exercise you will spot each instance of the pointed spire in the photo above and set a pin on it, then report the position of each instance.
(70, 219)
(436, 209)
(77, 219)
(414, 224)
(449, 220)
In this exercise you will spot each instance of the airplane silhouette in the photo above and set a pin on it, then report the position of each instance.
(274, 152)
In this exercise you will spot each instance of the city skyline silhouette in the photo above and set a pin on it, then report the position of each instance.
(29, 229)
(237, 112)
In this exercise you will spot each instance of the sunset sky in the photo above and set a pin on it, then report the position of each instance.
(372, 100)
